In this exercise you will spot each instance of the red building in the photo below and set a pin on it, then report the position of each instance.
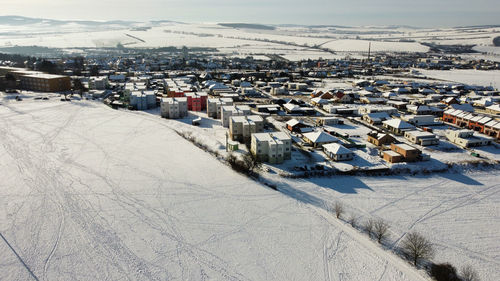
(479, 123)
(197, 101)
(203, 96)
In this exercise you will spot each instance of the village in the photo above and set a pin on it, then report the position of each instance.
(311, 117)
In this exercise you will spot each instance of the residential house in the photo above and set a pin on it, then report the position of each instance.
(422, 138)
(340, 97)
(274, 147)
(402, 153)
(420, 120)
(376, 118)
(373, 109)
(370, 100)
(492, 129)
(296, 109)
(338, 152)
(297, 126)
(380, 139)
(241, 127)
(339, 109)
(466, 138)
(319, 101)
(397, 126)
(319, 138)
(493, 109)
(268, 108)
(419, 109)
(327, 121)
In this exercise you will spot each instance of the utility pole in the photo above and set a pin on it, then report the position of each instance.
(369, 49)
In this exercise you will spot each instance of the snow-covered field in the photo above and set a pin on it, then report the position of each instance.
(472, 77)
(90, 193)
(292, 42)
(459, 212)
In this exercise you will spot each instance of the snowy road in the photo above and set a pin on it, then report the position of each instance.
(90, 193)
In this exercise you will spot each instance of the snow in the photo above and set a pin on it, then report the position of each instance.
(472, 77)
(91, 193)
(458, 212)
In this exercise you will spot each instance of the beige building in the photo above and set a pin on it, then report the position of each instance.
(274, 147)
(214, 106)
(242, 127)
(233, 110)
(174, 108)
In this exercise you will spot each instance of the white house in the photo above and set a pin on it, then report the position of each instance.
(466, 138)
(420, 120)
(421, 137)
(319, 138)
(338, 152)
(397, 126)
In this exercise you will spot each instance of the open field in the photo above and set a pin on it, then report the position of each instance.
(292, 42)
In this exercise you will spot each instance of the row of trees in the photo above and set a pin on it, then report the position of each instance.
(414, 247)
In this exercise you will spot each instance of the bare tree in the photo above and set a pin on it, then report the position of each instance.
(251, 161)
(468, 273)
(380, 229)
(415, 247)
(353, 220)
(339, 209)
(369, 225)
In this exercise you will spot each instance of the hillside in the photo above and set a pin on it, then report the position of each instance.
(91, 193)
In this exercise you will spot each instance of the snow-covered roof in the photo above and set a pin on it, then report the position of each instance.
(293, 122)
(495, 107)
(422, 134)
(405, 146)
(336, 148)
(320, 137)
(484, 120)
(398, 123)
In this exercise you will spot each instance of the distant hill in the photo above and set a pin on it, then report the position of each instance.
(248, 26)
(479, 26)
(19, 20)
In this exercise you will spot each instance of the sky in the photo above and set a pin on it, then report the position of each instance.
(421, 13)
